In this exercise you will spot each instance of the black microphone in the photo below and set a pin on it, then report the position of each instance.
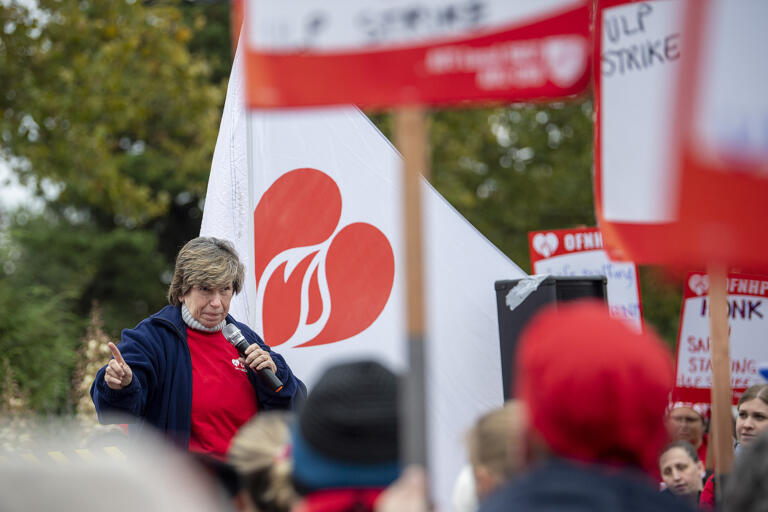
(236, 338)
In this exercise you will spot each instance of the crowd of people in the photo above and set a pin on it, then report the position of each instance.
(591, 428)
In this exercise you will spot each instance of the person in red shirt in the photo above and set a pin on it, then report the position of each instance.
(177, 372)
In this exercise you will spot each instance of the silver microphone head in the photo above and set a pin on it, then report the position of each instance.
(235, 337)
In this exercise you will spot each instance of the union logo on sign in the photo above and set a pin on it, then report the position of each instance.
(317, 282)
(699, 284)
(545, 244)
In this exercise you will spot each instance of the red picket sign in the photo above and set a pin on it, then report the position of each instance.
(723, 134)
(381, 54)
(681, 139)
(748, 326)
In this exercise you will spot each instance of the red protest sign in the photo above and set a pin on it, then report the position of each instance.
(723, 135)
(638, 46)
(681, 144)
(373, 53)
(748, 325)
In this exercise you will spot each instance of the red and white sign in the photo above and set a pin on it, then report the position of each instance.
(681, 142)
(723, 135)
(317, 221)
(579, 252)
(380, 53)
(639, 46)
(748, 327)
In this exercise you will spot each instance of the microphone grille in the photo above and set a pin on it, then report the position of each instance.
(230, 331)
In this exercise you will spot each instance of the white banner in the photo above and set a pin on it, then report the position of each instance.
(327, 277)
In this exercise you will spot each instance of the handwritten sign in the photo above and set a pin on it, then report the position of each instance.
(639, 47)
(640, 52)
(748, 326)
(378, 53)
(579, 252)
(681, 153)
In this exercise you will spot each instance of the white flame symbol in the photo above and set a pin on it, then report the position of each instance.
(292, 257)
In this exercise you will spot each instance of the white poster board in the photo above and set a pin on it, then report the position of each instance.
(748, 328)
(579, 252)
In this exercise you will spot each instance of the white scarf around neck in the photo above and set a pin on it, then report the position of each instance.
(191, 322)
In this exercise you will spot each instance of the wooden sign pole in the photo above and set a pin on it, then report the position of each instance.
(411, 139)
(722, 420)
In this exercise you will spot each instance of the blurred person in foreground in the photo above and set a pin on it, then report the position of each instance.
(175, 371)
(687, 421)
(595, 392)
(495, 448)
(345, 443)
(746, 489)
(261, 454)
(147, 476)
(751, 421)
(682, 471)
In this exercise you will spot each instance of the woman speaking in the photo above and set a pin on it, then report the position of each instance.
(177, 372)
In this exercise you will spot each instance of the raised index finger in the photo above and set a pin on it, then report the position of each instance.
(116, 353)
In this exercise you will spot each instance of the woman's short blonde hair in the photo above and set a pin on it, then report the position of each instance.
(496, 440)
(205, 262)
(260, 453)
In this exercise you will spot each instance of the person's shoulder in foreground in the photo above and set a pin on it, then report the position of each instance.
(568, 486)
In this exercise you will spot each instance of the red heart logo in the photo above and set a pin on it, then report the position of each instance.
(316, 284)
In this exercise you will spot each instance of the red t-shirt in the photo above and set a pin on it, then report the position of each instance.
(332, 500)
(222, 396)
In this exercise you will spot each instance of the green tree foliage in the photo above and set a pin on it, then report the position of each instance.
(104, 100)
(112, 118)
(212, 36)
(52, 271)
(513, 169)
(37, 335)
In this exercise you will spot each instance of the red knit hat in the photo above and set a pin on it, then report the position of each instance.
(596, 389)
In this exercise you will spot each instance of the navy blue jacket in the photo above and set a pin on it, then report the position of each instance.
(559, 485)
(160, 393)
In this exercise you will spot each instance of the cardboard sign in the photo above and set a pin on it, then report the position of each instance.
(379, 53)
(748, 326)
(579, 252)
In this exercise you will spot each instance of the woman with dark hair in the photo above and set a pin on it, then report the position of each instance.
(751, 421)
(682, 471)
(176, 372)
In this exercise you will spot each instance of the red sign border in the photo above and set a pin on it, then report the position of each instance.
(317, 66)
(566, 231)
(702, 395)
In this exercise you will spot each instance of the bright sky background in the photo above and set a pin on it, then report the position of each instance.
(12, 194)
